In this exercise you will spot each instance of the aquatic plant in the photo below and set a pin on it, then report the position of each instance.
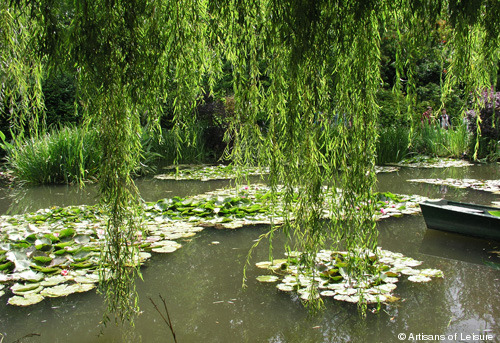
(435, 141)
(56, 252)
(66, 155)
(331, 277)
(492, 186)
(423, 161)
(392, 144)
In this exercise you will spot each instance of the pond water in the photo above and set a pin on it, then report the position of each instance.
(202, 281)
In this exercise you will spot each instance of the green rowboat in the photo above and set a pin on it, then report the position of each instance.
(462, 218)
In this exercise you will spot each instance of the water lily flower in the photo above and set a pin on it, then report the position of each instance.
(382, 210)
(64, 272)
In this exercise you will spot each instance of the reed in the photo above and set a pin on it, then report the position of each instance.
(66, 155)
(432, 140)
(392, 144)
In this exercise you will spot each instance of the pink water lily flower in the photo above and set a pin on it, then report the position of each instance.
(64, 272)
(382, 210)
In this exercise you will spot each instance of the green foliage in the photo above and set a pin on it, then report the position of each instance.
(392, 144)
(59, 92)
(60, 156)
(486, 126)
(21, 98)
(161, 147)
(311, 68)
(396, 143)
(432, 140)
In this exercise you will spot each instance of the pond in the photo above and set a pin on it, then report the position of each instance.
(201, 282)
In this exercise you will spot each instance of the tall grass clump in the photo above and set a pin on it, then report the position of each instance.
(392, 144)
(66, 155)
(435, 141)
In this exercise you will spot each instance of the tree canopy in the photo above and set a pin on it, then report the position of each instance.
(310, 68)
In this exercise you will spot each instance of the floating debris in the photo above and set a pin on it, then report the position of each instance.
(492, 186)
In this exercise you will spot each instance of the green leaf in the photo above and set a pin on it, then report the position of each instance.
(42, 259)
(65, 233)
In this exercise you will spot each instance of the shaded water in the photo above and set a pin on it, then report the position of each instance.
(202, 282)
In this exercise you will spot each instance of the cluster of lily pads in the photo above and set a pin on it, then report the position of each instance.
(206, 173)
(56, 252)
(492, 186)
(422, 161)
(330, 278)
(227, 172)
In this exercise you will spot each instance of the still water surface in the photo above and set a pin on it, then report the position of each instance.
(202, 281)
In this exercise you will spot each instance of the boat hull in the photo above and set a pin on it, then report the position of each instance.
(462, 218)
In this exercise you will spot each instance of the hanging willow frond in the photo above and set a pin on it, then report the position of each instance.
(305, 75)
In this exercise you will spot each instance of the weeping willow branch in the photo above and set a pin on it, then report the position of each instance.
(21, 71)
(310, 69)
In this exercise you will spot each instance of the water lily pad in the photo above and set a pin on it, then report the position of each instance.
(347, 298)
(419, 278)
(20, 260)
(53, 281)
(42, 259)
(391, 279)
(169, 247)
(328, 293)
(144, 256)
(29, 275)
(67, 233)
(346, 291)
(27, 300)
(82, 239)
(307, 295)
(64, 290)
(18, 287)
(31, 291)
(45, 270)
(409, 271)
(431, 272)
(284, 287)
(263, 265)
(267, 278)
(89, 278)
(386, 288)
